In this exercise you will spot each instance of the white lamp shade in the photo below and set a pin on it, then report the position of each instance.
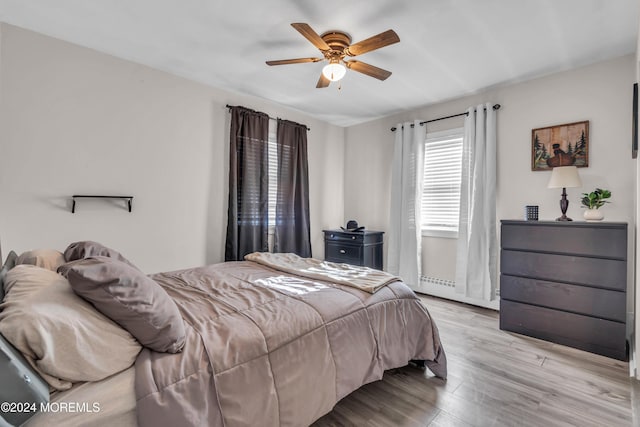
(564, 177)
(334, 71)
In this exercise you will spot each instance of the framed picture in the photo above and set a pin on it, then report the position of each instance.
(560, 145)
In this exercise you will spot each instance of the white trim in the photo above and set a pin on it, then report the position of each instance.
(440, 232)
(633, 363)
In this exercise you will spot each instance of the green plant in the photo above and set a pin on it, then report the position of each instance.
(595, 199)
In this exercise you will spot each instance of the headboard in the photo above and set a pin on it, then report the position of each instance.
(8, 265)
(21, 387)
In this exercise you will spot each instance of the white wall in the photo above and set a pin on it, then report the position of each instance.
(76, 121)
(600, 93)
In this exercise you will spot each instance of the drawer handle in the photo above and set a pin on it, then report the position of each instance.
(342, 251)
(353, 237)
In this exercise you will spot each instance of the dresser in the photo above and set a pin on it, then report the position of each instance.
(566, 282)
(362, 248)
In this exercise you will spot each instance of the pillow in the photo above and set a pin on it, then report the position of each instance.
(86, 249)
(45, 258)
(63, 337)
(9, 263)
(129, 298)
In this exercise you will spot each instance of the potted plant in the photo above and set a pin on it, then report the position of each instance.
(594, 201)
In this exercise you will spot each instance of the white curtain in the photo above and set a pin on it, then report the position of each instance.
(404, 241)
(477, 244)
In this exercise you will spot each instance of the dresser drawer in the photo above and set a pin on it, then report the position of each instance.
(597, 272)
(600, 241)
(340, 252)
(585, 300)
(587, 333)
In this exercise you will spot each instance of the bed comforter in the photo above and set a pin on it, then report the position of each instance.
(269, 348)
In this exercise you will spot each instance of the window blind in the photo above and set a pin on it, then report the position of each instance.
(273, 178)
(441, 182)
(251, 182)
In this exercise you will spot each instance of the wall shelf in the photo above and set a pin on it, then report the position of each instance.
(128, 199)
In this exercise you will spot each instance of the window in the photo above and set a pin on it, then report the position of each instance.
(441, 183)
(253, 156)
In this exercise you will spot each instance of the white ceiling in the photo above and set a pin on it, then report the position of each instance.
(448, 48)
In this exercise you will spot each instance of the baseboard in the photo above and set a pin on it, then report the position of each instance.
(633, 347)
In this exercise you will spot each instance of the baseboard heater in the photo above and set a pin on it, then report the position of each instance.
(444, 284)
(437, 281)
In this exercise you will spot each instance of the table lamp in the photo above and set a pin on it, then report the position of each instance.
(564, 177)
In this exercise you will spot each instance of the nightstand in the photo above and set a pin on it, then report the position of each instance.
(362, 248)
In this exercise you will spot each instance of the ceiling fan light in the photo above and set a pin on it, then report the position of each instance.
(334, 71)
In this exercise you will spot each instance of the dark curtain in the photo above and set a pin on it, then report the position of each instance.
(248, 184)
(292, 231)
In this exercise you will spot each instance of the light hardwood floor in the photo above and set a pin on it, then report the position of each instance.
(496, 378)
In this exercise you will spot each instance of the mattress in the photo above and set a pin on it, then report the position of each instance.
(107, 403)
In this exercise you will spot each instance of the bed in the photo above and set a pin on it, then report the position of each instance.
(272, 340)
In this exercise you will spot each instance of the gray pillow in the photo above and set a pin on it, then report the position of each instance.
(131, 299)
(9, 263)
(87, 248)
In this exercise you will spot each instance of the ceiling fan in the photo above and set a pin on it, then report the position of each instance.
(335, 47)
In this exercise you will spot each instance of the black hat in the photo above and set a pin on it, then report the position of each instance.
(352, 225)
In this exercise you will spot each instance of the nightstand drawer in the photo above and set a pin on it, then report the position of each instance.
(344, 237)
(585, 300)
(337, 252)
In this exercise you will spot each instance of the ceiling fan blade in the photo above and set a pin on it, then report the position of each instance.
(373, 43)
(293, 61)
(367, 69)
(311, 35)
(323, 81)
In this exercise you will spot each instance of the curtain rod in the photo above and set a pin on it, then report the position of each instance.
(270, 118)
(495, 107)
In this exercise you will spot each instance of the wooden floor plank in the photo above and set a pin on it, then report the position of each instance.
(496, 378)
(444, 419)
(635, 402)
